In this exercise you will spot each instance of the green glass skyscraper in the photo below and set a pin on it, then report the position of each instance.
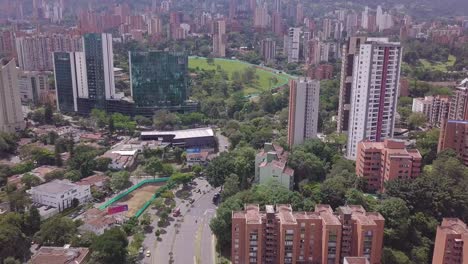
(159, 79)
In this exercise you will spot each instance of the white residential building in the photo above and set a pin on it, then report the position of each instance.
(304, 97)
(374, 92)
(60, 194)
(271, 165)
(291, 44)
(423, 105)
(11, 114)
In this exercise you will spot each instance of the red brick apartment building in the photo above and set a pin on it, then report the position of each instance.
(454, 135)
(279, 235)
(378, 162)
(451, 244)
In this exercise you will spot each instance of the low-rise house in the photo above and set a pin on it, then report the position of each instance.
(97, 221)
(200, 158)
(60, 194)
(61, 255)
(91, 137)
(121, 159)
(271, 165)
(95, 181)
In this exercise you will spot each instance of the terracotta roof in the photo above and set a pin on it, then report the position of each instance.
(93, 180)
(91, 136)
(58, 255)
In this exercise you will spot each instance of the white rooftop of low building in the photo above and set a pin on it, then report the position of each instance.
(181, 134)
(55, 186)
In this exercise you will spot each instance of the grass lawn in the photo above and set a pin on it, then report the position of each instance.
(264, 82)
(439, 66)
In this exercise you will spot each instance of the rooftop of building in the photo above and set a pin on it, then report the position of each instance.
(393, 147)
(54, 187)
(454, 226)
(182, 134)
(285, 214)
(359, 214)
(93, 180)
(100, 219)
(275, 156)
(252, 214)
(60, 255)
(326, 213)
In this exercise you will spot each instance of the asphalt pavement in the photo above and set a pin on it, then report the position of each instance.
(188, 238)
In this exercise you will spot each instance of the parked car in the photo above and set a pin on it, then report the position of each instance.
(176, 212)
(216, 198)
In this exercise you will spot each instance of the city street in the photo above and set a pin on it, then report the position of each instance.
(188, 239)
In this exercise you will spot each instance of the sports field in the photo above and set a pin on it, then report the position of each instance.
(140, 196)
(265, 80)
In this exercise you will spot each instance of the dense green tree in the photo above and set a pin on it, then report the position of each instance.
(416, 120)
(390, 256)
(13, 242)
(83, 159)
(111, 125)
(119, 180)
(58, 157)
(333, 191)
(231, 186)
(435, 195)
(181, 178)
(32, 221)
(178, 154)
(19, 200)
(154, 166)
(29, 180)
(143, 121)
(56, 232)
(99, 117)
(73, 175)
(165, 120)
(220, 168)
(356, 197)
(102, 164)
(110, 247)
(11, 260)
(7, 143)
(306, 166)
(48, 114)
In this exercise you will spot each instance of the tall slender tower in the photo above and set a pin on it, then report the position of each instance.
(291, 44)
(219, 38)
(374, 92)
(304, 97)
(350, 51)
(100, 67)
(11, 115)
(70, 80)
